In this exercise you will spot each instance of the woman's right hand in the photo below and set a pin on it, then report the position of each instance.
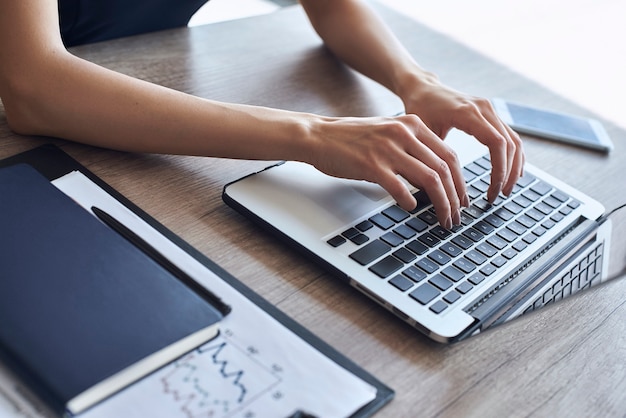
(378, 149)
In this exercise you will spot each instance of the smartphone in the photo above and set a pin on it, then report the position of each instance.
(573, 129)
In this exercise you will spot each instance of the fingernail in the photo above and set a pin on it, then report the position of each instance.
(448, 224)
(457, 217)
(494, 192)
(466, 201)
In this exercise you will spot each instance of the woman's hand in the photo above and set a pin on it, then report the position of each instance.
(380, 149)
(442, 109)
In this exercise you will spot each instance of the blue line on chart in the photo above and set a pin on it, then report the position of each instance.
(223, 364)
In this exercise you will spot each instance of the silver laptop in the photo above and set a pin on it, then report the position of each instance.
(540, 245)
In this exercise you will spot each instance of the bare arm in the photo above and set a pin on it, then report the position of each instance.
(48, 91)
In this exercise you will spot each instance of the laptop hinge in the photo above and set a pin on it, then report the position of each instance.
(532, 275)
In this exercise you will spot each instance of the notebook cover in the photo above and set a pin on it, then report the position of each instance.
(79, 303)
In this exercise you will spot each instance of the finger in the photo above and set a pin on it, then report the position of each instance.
(498, 150)
(451, 159)
(398, 190)
(515, 149)
(517, 161)
(434, 175)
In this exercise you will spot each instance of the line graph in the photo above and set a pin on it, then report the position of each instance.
(218, 379)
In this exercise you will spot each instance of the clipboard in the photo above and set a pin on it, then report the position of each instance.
(54, 163)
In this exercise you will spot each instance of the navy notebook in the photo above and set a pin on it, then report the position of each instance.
(83, 312)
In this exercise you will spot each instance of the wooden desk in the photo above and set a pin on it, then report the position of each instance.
(566, 360)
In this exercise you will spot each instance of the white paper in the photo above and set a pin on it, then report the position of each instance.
(255, 368)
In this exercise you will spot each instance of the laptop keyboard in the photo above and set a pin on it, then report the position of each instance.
(435, 266)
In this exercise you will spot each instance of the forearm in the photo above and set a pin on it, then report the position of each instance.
(353, 32)
(83, 102)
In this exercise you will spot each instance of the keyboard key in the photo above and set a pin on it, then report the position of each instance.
(452, 274)
(474, 211)
(370, 252)
(486, 249)
(476, 169)
(539, 231)
(396, 213)
(386, 266)
(483, 227)
(573, 204)
(522, 201)
(532, 196)
(462, 242)
(504, 214)
(405, 232)
(441, 282)
(404, 255)
(336, 241)
(476, 279)
(543, 208)
(552, 202)
(423, 201)
(484, 163)
(509, 253)
(525, 221)
(439, 257)
(464, 287)
(364, 226)
(499, 261)
(417, 224)
(481, 185)
(529, 238)
(428, 217)
(382, 221)
(401, 283)
(473, 192)
(429, 239)
(513, 207)
(438, 307)
(488, 270)
(468, 175)
(473, 234)
(476, 257)
(466, 219)
(517, 228)
(507, 235)
(392, 239)
(560, 196)
(350, 233)
(417, 247)
(483, 205)
(414, 274)
(440, 232)
(497, 242)
(526, 180)
(464, 265)
(360, 239)
(450, 249)
(425, 293)
(541, 188)
(520, 246)
(427, 265)
(452, 297)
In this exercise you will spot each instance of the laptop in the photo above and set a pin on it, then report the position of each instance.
(543, 243)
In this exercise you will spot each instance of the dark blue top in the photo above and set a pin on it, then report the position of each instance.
(85, 21)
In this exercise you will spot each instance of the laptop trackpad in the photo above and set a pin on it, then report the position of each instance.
(296, 196)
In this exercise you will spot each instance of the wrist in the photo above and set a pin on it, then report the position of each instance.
(413, 84)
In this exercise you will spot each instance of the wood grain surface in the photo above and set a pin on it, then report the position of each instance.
(566, 360)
